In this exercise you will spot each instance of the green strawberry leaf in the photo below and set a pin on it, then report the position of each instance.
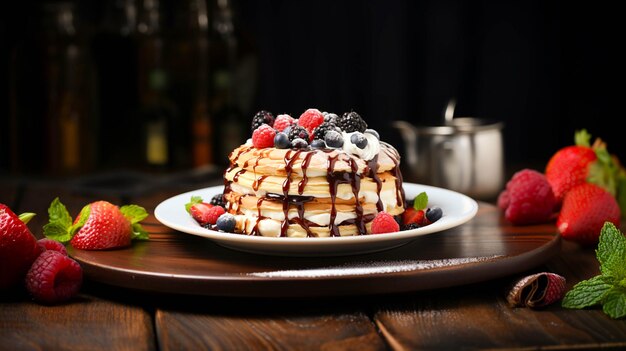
(57, 232)
(26, 217)
(587, 293)
(82, 219)
(194, 200)
(139, 233)
(421, 201)
(582, 138)
(58, 213)
(615, 303)
(134, 213)
(621, 192)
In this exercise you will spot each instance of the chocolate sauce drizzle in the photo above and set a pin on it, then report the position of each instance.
(333, 178)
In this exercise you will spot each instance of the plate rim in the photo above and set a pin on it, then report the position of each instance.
(283, 243)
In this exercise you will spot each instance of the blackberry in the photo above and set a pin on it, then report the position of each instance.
(320, 131)
(351, 122)
(298, 132)
(260, 118)
(410, 226)
(218, 200)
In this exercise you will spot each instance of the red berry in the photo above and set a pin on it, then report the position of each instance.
(48, 244)
(200, 212)
(384, 223)
(18, 248)
(54, 277)
(311, 119)
(530, 198)
(214, 213)
(105, 228)
(586, 207)
(412, 215)
(263, 136)
(282, 122)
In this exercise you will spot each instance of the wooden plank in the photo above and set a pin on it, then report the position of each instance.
(478, 316)
(85, 322)
(266, 330)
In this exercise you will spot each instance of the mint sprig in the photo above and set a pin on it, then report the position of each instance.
(609, 288)
(421, 201)
(60, 226)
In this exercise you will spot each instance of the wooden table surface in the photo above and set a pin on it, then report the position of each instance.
(104, 317)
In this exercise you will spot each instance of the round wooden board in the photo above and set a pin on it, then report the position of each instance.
(484, 248)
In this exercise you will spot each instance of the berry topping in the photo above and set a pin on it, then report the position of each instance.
(200, 212)
(48, 244)
(410, 226)
(351, 122)
(318, 144)
(530, 198)
(226, 222)
(214, 213)
(218, 200)
(54, 277)
(333, 139)
(411, 215)
(359, 140)
(263, 136)
(320, 131)
(311, 119)
(373, 132)
(298, 132)
(283, 121)
(262, 117)
(281, 141)
(299, 143)
(384, 223)
(433, 214)
(331, 118)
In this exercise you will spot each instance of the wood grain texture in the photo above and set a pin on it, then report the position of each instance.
(478, 316)
(85, 323)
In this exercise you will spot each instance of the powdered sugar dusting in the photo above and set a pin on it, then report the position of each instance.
(366, 268)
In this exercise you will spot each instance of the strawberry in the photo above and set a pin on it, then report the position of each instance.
(100, 225)
(411, 215)
(586, 208)
(202, 212)
(18, 247)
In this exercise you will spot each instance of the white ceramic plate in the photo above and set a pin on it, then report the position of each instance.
(457, 209)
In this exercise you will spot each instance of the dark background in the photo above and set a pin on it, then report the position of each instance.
(544, 68)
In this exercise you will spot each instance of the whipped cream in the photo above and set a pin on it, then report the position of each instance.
(369, 152)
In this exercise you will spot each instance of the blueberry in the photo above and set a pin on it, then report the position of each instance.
(281, 141)
(287, 129)
(433, 214)
(333, 139)
(318, 144)
(331, 118)
(299, 143)
(226, 222)
(359, 140)
(373, 132)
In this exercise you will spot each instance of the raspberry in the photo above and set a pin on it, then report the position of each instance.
(54, 277)
(282, 122)
(311, 119)
(214, 213)
(260, 118)
(384, 223)
(530, 198)
(263, 136)
(48, 244)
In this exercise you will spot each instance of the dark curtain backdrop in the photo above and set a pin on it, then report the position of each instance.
(544, 68)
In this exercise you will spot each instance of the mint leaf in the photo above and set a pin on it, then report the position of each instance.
(615, 303)
(82, 219)
(139, 233)
(57, 213)
(57, 232)
(611, 251)
(194, 200)
(421, 201)
(134, 213)
(26, 217)
(587, 293)
(582, 138)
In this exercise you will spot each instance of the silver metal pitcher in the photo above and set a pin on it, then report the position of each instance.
(464, 154)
